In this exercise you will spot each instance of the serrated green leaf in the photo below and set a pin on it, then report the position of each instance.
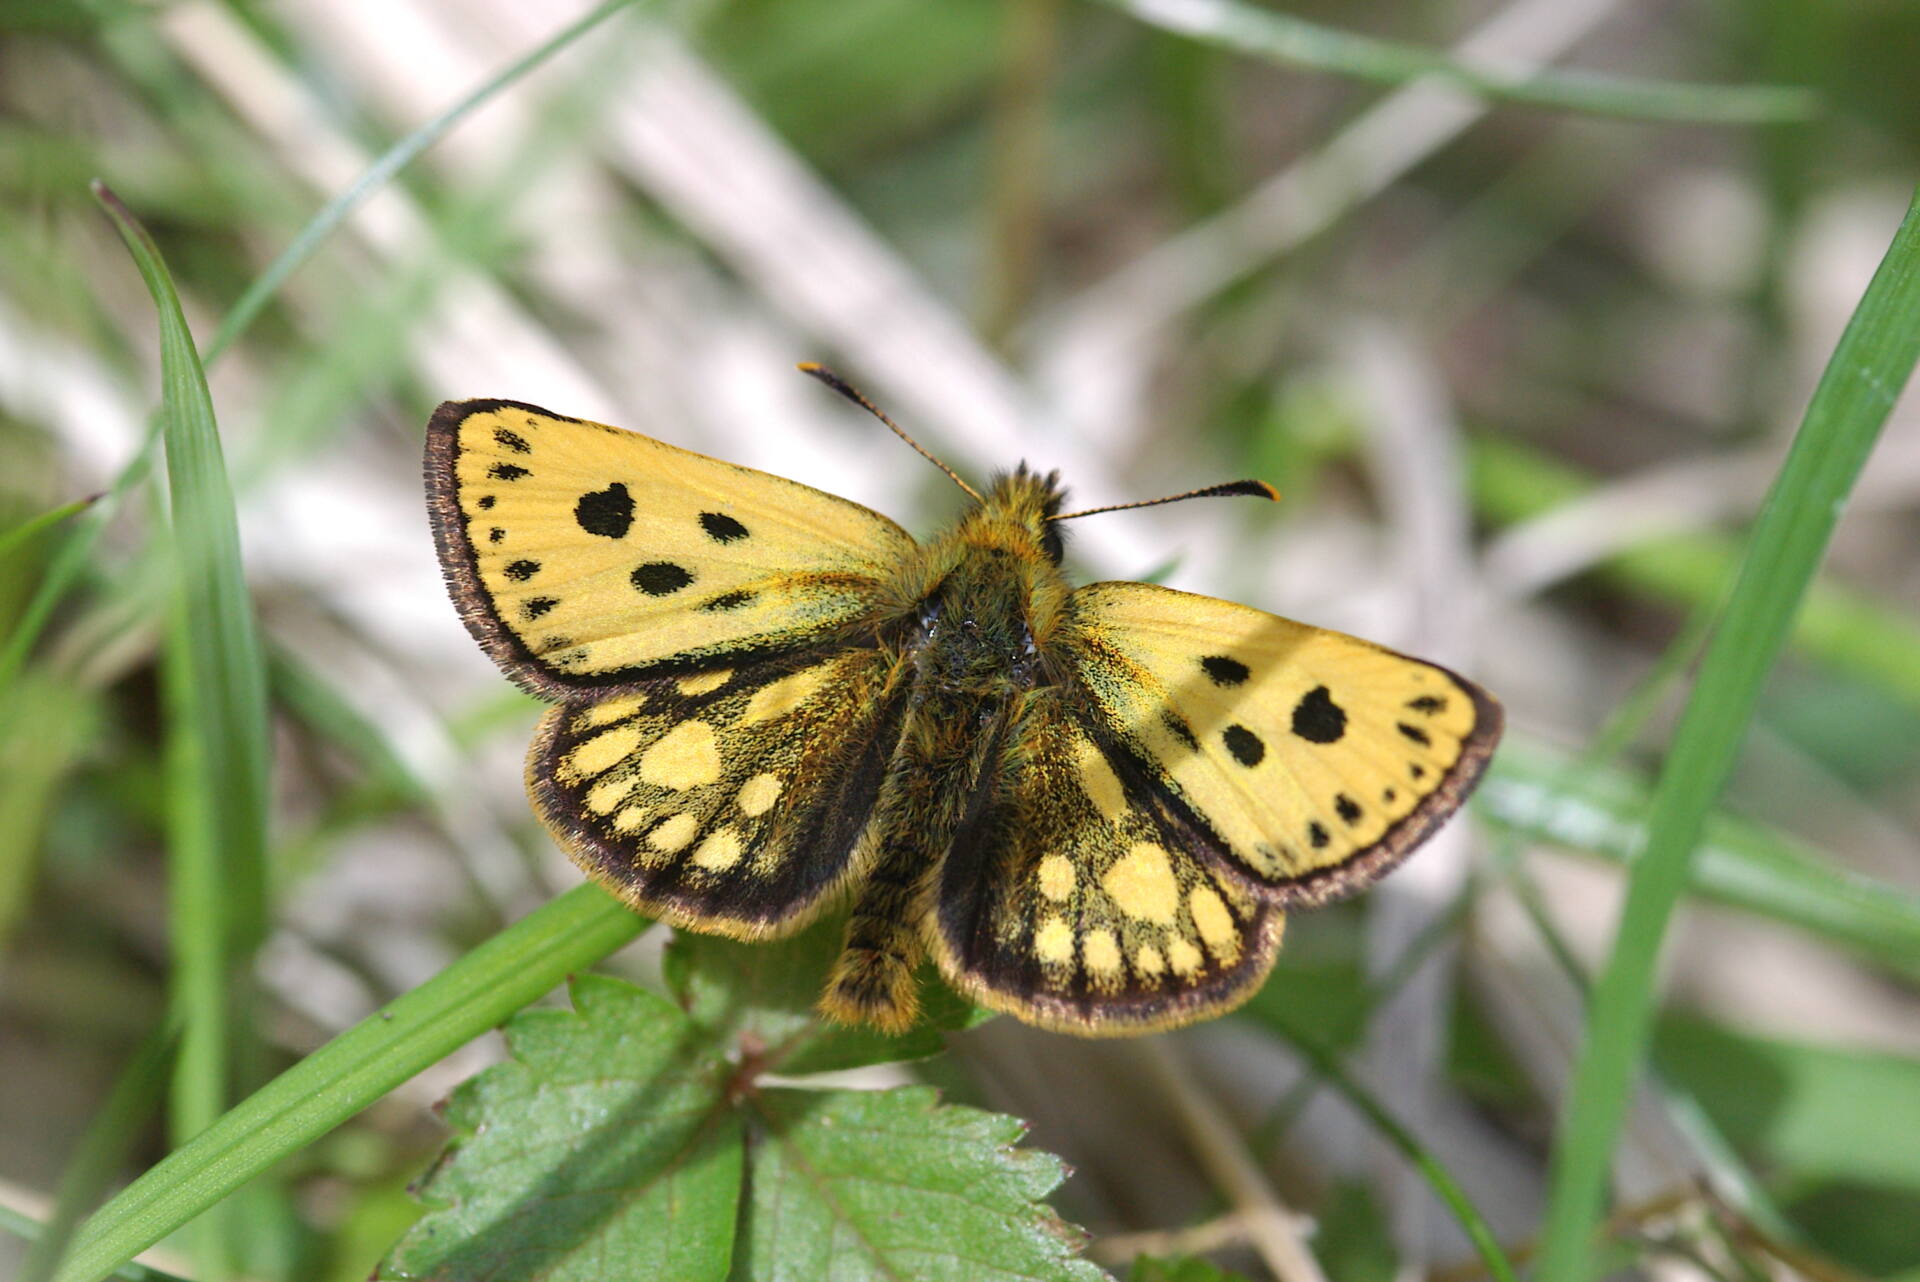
(603, 1149)
(610, 1147)
(758, 999)
(890, 1185)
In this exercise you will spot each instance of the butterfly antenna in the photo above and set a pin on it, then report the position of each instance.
(1231, 489)
(847, 390)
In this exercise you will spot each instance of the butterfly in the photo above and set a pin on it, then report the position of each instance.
(1090, 806)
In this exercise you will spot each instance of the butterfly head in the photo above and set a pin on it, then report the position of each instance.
(1029, 501)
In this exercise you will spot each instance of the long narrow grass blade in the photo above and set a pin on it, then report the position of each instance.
(1327, 1063)
(25, 1226)
(1872, 363)
(19, 534)
(1282, 38)
(217, 733)
(353, 1070)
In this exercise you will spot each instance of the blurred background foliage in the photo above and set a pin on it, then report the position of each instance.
(1522, 372)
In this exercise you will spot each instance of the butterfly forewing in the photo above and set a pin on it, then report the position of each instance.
(1079, 901)
(730, 800)
(585, 557)
(1317, 759)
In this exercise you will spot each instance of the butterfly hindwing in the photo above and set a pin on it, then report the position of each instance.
(585, 557)
(1317, 759)
(728, 800)
(1079, 901)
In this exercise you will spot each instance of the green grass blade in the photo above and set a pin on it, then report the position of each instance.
(25, 1226)
(1872, 363)
(1281, 38)
(397, 157)
(1530, 791)
(353, 1070)
(217, 723)
(1326, 1062)
(20, 533)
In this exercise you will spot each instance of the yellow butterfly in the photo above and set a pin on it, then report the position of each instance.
(1089, 805)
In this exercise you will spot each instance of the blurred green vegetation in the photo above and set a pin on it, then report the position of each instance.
(219, 856)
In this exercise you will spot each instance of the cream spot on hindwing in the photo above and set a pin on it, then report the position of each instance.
(601, 714)
(1056, 877)
(673, 834)
(705, 682)
(1102, 955)
(1053, 942)
(685, 757)
(758, 794)
(608, 793)
(1148, 961)
(1183, 956)
(1141, 883)
(1211, 918)
(720, 851)
(603, 750)
(782, 697)
(1101, 784)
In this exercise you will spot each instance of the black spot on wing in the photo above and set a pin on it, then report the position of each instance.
(507, 472)
(722, 528)
(1416, 770)
(484, 502)
(512, 440)
(535, 606)
(1244, 744)
(1346, 807)
(1317, 835)
(1415, 733)
(1317, 718)
(1225, 671)
(661, 578)
(496, 534)
(607, 513)
(1431, 704)
(728, 601)
(521, 571)
(1178, 728)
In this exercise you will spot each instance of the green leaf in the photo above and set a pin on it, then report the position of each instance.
(889, 1185)
(1820, 1112)
(616, 1142)
(604, 1148)
(1872, 362)
(759, 999)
